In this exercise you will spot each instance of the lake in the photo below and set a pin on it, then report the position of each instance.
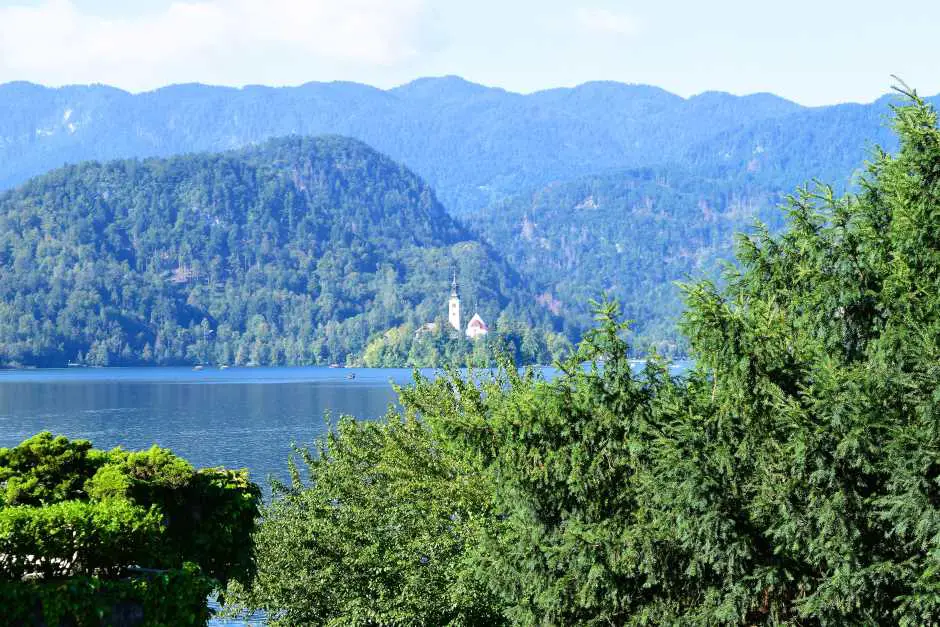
(238, 418)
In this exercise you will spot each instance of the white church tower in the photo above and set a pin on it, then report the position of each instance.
(453, 309)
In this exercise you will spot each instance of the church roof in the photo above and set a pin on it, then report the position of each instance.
(477, 321)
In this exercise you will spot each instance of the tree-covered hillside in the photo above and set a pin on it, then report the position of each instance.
(293, 252)
(630, 235)
(473, 144)
(825, 143)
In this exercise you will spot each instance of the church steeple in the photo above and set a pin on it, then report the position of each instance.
(453, 306)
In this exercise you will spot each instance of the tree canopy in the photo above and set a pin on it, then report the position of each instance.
(87, 536)
(790, 478)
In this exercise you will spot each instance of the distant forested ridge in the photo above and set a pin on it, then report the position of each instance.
(604, 187)
(473, 144)
(297, 251)
(630, 235)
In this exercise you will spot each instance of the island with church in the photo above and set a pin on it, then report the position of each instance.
(476, 328)
(447, 341)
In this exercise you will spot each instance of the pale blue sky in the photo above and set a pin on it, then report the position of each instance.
(811, 51)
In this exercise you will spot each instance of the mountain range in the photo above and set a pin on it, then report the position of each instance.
(565, 194)
(473, 144)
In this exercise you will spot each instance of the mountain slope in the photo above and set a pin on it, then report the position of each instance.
(628, 234)
(474, 144)
(828, 144)
(295, 251)
(501, 160)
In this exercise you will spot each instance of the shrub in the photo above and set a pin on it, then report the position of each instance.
(85, 533)
(77, 538)
(46, 469)
(175, 598)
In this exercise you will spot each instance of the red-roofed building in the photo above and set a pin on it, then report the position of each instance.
(477, 328)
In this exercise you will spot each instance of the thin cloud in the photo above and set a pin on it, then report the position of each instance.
(604, 21)
(55, 42)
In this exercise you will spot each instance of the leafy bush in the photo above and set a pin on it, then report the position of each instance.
(78, 524)
(207, 514)
(46, 469)
(77, 538)
(174, 598)
(375, 532)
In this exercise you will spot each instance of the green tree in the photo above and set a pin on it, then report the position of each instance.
(564, 458)
(811, 458)
(376, 527)
(85, 532)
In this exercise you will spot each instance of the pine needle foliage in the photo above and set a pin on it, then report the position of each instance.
(791, 478)
(817, 407)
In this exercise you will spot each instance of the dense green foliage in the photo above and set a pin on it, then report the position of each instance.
(373, 529)
(298, 251)
(441, 345)
(630, 235)
(85, 533)
(821, 357)
(75, 537)
(164, 599)
(790, 478)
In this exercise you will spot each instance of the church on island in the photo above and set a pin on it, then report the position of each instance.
(476, 328)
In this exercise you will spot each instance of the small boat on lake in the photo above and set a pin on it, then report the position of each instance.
(351, 375)
(197, 368)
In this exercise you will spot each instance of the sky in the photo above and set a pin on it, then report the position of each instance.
(811, 51)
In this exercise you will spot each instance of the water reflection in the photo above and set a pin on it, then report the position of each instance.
(234, 419)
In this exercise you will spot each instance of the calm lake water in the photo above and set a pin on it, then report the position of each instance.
(238, 418)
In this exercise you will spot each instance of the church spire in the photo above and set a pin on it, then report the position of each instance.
(453, 306)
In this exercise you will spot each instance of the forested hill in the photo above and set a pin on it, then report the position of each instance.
(473, 144)
(629, 234)
(296, 251)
